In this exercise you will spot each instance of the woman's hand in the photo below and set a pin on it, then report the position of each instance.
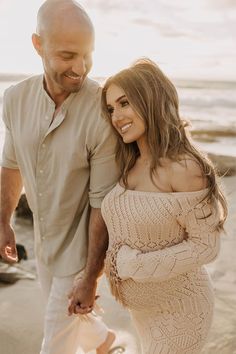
(126, 261)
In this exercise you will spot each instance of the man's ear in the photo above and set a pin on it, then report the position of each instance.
(37, 43)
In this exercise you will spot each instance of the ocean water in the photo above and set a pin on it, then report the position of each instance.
(209, 106)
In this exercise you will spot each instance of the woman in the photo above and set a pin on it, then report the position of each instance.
(164, 216)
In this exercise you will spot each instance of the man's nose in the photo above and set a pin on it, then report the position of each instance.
(79, 67)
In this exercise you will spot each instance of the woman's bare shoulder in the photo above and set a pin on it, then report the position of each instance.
(186, 175)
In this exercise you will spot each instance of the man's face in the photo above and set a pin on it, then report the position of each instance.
(67, 59)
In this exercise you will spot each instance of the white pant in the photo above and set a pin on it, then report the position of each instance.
(65, 334)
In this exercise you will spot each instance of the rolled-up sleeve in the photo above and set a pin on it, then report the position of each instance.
(8, 158)
(103, 168)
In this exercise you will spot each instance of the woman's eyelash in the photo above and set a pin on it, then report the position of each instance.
(110, 110)
(124, 103)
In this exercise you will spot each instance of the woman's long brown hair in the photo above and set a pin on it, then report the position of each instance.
(154, 98)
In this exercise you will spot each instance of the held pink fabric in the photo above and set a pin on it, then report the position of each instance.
(63, 333)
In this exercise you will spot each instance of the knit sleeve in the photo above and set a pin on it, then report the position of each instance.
(200, 246)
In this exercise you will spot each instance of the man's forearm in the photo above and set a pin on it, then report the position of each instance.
(82, 296)
(11, 187)
(98, 243)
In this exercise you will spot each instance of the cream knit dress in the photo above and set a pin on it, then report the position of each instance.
(158, 244)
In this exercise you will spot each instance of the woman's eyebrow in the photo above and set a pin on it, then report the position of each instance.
(119, 98)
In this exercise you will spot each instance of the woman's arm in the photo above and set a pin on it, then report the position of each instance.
(201, 247)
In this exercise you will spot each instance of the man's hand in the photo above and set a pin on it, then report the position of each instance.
(82, 296)
(8, 249)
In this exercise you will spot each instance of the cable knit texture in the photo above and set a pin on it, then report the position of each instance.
(158, 244)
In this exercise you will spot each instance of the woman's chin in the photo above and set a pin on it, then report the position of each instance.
(127, 139)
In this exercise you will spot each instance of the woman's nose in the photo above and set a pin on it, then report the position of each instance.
(116, 114)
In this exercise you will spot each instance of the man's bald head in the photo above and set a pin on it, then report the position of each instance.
(57, 14)
(65, 42)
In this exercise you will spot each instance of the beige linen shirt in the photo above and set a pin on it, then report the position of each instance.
(67, 165)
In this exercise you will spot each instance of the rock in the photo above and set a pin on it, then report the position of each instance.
(21, 251)
(23, 210)
(10, 273)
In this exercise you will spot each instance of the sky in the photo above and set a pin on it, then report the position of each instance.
(189, 39)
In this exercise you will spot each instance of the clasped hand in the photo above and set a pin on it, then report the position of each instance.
(82, 296)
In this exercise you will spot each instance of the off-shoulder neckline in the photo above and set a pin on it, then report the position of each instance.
(201, 191)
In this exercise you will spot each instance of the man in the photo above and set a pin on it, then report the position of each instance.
(61, 150)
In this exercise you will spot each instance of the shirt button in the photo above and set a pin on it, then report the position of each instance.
(41, 171)
(41, 219)
(43, 145)
(40, 194)
(47, 118)
(43, 237)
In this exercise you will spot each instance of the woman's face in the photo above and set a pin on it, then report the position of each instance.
(124, 119)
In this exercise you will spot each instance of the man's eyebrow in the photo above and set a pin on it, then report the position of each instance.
(65, 52)
(90, 51)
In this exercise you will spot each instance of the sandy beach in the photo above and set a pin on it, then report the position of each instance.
(21, 306)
